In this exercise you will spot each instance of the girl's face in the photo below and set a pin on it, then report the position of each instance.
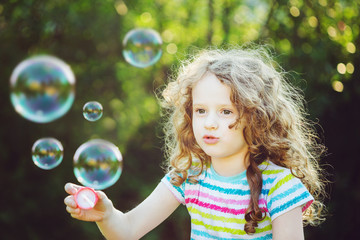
(213, 113)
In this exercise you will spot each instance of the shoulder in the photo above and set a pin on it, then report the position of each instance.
(276, 176)
(272, 171)
(269, 167)
(193, 174)
(284, 191)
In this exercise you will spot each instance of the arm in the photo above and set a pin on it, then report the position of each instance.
(132, 225)
(288, 226)
(142, 219)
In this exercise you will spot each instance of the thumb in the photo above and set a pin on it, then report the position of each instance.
(101, 195)
(103, 199)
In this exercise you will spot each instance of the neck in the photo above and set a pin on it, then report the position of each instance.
(228, 167)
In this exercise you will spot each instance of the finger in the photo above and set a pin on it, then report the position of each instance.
(73, 211)
(76, 216)
(103, 199)
(70, 201)
(71, 188)
(101, 195)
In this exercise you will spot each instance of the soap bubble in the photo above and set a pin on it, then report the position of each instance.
(47, 153)
(42, 88)
(142, 47)
(92, 111)
(97, 164)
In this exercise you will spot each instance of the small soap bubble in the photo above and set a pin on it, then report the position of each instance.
(98, 164)
(47, 153)
(42, 88)
(92, 111)
(142, 47)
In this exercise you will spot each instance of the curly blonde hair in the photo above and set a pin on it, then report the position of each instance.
(277, 128)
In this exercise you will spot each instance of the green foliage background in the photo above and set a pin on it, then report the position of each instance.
(308, 37)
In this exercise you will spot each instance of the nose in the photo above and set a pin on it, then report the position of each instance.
(211, 122)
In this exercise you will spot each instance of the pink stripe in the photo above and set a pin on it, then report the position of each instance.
(307, 205)
(221, 200)
(217, 208)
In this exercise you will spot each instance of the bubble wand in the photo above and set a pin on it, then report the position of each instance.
(86, 198)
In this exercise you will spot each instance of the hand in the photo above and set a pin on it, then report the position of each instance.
(101, 210)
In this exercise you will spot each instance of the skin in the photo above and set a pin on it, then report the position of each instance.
(211, 117)
(288, 225)
(115, 224)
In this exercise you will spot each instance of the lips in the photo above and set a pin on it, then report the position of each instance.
(209, 139)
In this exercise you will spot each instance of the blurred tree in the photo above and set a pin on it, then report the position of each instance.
(316, 41)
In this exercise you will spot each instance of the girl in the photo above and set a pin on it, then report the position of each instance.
(241, 155)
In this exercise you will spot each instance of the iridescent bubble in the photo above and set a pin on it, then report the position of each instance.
(92, 111)
(47, 153)
(97, 164)
(42, 88)
(142, 47)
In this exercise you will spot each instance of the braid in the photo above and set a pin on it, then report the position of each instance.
(253, 213)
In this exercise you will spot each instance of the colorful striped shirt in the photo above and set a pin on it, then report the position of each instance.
(217, 204)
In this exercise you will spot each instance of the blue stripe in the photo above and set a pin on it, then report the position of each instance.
(266, 237)
(284, 195)
(293, 201)
(233, 191)
(207, 235)
(203, 234)
(269, 180)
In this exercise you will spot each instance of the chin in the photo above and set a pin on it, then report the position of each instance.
(213, 155)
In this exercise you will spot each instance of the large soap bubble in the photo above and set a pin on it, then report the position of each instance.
(97, 164)
(47, 153)
(42, 88)
(142, 47)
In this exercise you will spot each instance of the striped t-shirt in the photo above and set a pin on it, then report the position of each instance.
(217, 204)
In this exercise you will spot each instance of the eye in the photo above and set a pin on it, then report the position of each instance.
(227, 112)
(200, 111)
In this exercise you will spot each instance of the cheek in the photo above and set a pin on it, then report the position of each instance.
(236, 132)
(195, 123)
(196, 129)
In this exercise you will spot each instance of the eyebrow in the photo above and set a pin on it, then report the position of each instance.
(221, 105)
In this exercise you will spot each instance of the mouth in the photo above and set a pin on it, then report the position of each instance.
(209, 139)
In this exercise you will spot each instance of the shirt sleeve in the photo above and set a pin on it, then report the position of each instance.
(178, 192)
(287, 193)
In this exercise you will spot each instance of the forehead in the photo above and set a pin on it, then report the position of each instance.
(209, 89)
